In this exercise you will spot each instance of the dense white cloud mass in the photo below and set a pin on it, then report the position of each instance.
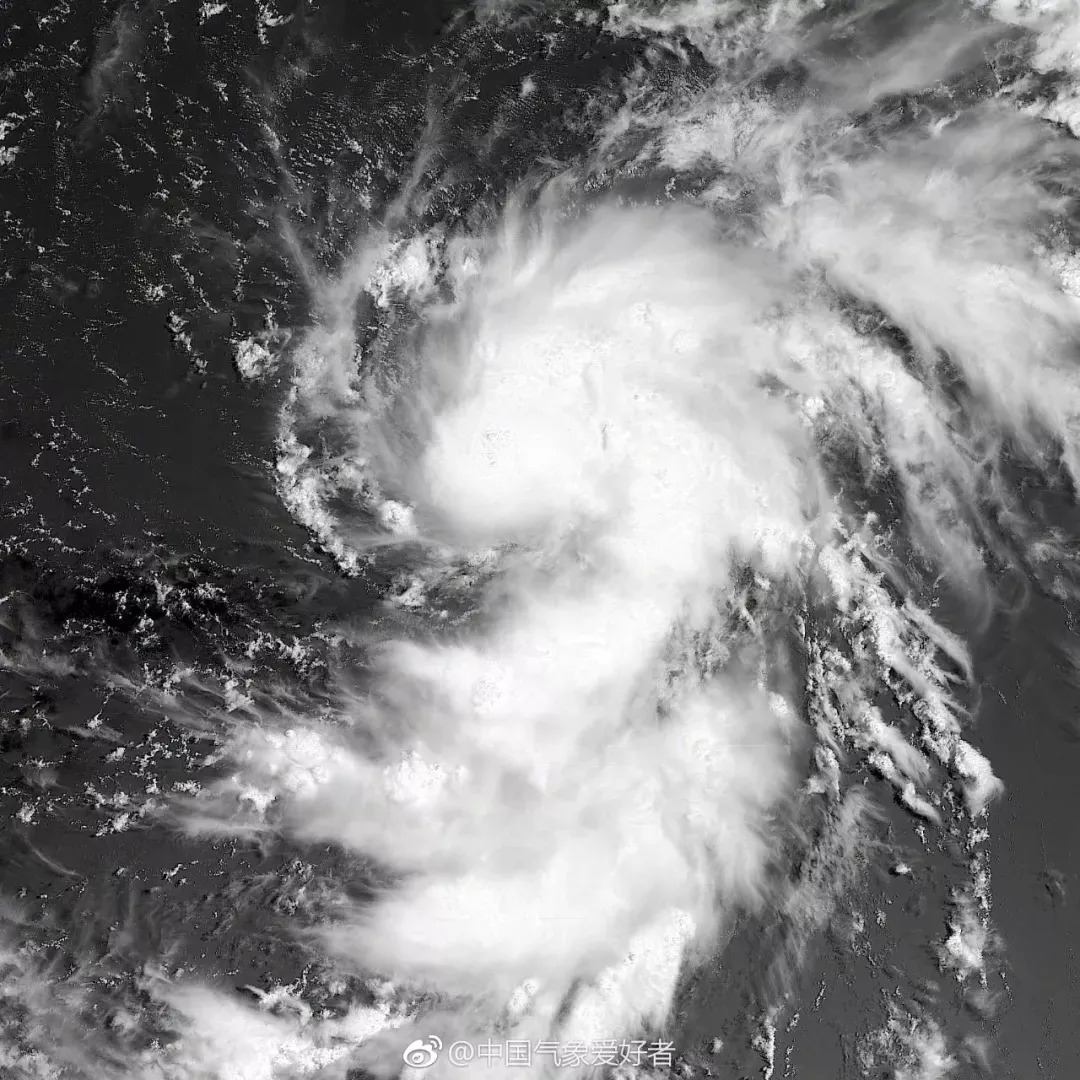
(565, 778)
(653, 466)
(617, 416)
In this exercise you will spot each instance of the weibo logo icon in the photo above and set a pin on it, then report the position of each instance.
(422, 1053)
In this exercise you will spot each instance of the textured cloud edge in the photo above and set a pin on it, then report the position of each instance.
(666, 447)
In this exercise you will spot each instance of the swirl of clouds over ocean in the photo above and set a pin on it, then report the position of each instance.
(617, 459)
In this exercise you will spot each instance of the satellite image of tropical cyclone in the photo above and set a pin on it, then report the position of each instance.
(539, 539)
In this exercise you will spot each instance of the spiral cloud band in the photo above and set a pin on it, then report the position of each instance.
(686, 458)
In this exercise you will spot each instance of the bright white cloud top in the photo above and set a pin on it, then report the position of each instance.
(662, 437)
